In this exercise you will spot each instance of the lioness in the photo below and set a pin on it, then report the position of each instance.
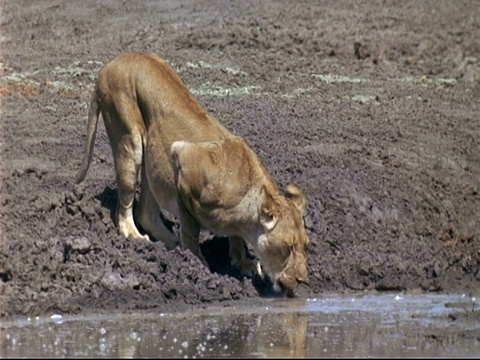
(194, 168)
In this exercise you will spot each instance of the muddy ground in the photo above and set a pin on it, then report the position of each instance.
(371, 106)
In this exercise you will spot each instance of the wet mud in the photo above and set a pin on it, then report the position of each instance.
(370, 106)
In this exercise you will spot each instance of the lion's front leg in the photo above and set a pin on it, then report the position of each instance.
(238, 256)
(190, 232)
(147, 213)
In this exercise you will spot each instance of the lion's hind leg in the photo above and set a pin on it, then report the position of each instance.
(124, 126)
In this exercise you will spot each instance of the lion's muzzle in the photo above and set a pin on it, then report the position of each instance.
(294, 274)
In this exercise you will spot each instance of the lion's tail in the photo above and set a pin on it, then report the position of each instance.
(93, 115)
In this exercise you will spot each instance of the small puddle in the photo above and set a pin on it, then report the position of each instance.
(374, 325)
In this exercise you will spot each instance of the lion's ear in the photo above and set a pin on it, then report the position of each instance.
(296, 194)
(266, 210)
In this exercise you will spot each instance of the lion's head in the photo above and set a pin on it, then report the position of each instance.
(282, 248)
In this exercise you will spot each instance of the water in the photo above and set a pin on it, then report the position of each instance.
(375, 325)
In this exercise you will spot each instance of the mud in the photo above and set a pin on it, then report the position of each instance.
(371, 106)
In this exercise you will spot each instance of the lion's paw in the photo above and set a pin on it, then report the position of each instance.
(138, 237)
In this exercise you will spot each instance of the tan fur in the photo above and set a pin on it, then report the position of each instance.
(194, 168)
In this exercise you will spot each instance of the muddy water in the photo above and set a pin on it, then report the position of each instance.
(373, 325)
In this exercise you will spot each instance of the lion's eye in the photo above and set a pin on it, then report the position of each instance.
(285, 251)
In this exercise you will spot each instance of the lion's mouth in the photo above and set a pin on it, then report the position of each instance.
(287, 291)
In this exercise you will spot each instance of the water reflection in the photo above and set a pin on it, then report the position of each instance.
(153, 336)
(287, 336)
(327, 327)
